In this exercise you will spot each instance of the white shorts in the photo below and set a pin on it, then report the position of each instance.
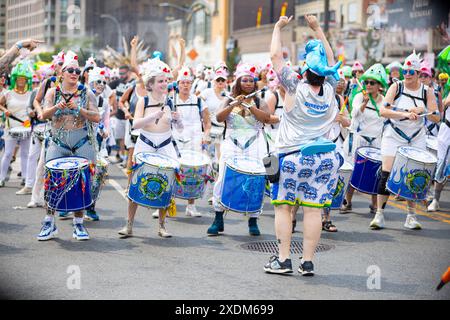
(390, 143)
(119, 129)
(128, 141)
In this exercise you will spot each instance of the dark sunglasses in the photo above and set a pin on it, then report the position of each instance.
(411, 72)
(372, 83)
(72, 70)
(424, 75)
(122, 73)
(220, 80)
(60, 63)
(101, 82)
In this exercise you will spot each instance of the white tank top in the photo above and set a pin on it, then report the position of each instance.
(312, 117)
(403, 103)
(17, 105)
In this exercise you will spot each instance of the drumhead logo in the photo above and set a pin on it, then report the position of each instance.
(417, 180)
(152, 186)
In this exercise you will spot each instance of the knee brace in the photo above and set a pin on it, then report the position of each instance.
(382, 184)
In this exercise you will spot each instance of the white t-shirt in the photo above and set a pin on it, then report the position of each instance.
(189, 111)
(312, 116)
(212, 101)
(367, 123)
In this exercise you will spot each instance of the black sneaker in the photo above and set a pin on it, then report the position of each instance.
(306, 268)
(276, 266)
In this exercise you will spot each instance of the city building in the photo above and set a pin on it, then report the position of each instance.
(52, 21)
(2, 24)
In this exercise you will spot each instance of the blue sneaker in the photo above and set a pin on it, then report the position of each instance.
(80, 232)
(276, 266)
(48, 231)
(64, 215)
(91, 215)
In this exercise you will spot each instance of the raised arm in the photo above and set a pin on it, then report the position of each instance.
(276, 55)
(13, 52)
(181, 58)
(133, 56)
(315, 26)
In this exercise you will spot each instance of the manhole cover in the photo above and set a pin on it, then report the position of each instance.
(272, 247)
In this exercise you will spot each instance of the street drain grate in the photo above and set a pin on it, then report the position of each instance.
(272, 247)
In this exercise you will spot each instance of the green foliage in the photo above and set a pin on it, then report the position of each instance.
(233, 58)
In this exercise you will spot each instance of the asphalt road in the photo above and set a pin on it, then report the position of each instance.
(394, 263)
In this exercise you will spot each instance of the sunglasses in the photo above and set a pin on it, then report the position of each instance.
(372, 83)
(424, 75)
(411, 72)
(100, 82)
(122, 73)
(60, 63)
(72, 70)
(220, 80)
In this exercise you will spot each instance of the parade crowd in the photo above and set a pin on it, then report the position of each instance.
(304, 136)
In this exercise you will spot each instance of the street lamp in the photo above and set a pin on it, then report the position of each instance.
(108, 16)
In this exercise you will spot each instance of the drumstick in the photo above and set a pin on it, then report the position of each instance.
(224, 94)
(343, 105)
(360, 85)
(255, 93)
(162, 109)
(423, 115)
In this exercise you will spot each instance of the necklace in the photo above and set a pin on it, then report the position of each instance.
(19, 91)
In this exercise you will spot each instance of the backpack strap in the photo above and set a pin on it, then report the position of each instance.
(199, 106)
(100, 102)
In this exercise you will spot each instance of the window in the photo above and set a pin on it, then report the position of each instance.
(352, 11)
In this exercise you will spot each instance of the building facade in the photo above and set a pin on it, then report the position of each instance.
(2, 24)
(52, 21)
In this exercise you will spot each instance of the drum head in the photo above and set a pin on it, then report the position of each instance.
(20, 129)
(417, 154)
(67, 163)
(193, 158)
(370, 153)
(157, 160)
(246, 164)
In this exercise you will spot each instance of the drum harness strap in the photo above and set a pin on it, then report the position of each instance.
(277, 105)
(413, 98)
(172, 104)
(339, 108)
(165, 142)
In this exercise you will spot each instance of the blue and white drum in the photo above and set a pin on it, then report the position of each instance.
(345, 173)
(67, 184)
(193, 174)
(412, 172)
(367, 170)
(152, 180)
(243, 184)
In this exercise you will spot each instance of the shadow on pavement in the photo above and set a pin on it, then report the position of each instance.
(95, 245)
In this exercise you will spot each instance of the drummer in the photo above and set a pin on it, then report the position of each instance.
(155, 120)
(213, 99)
(72, 109)
(243, 136)
(37, 137)
(367, 124)
(50, 78)
(14, 104)
(97, 83)
(404, 100)
(443, 155)
(195, 117)
(426, 78)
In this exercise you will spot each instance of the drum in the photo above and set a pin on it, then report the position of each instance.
(101, 172)
(39, 132)
(367, 169)
(152, 180)
(345, 173)
(67, 184)
(412, 173)
(20, 133)
(193, 174)
(243, 184)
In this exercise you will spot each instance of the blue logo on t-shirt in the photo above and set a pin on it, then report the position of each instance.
(316, 109)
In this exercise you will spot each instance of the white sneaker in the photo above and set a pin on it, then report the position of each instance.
(2, 183)
(412, 223)
(33, 204)
(155, 214)
(162, 232)
(127, 231)
(191, 211)
(434, 206)
(24, 190)
(377, 222)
